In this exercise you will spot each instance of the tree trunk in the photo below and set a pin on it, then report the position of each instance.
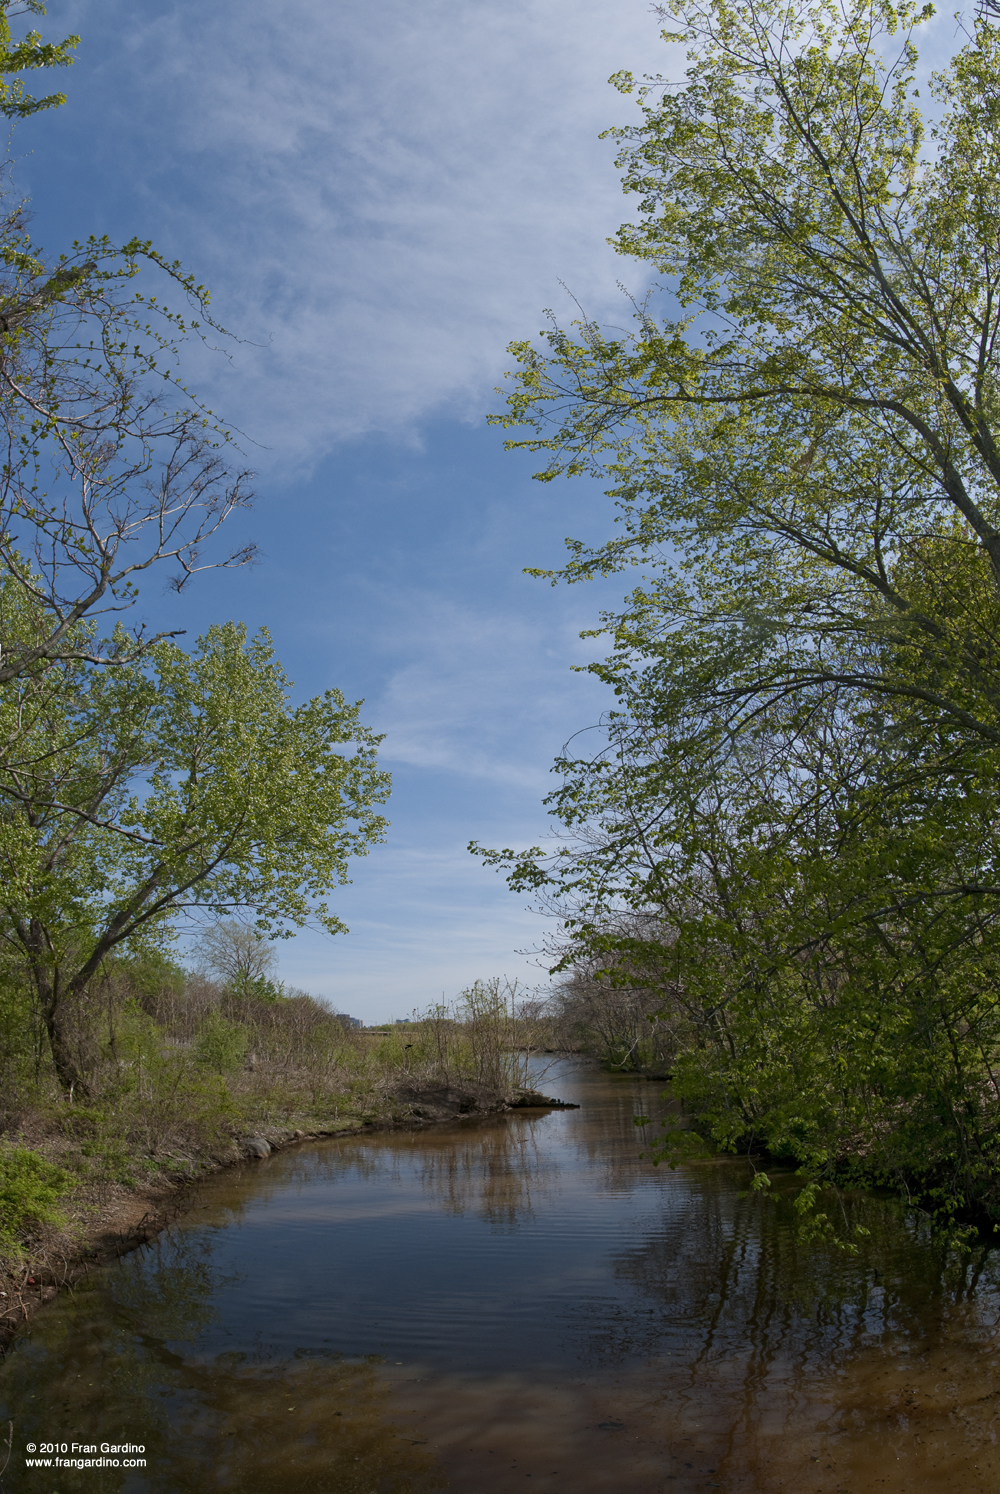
(54, 1010)
(67, 1070)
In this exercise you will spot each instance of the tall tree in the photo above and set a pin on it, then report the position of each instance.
(133, 795)
(808, 465)
(799, 776)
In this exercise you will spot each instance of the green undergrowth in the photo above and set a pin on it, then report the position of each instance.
(180, 1072)
(31, 1191)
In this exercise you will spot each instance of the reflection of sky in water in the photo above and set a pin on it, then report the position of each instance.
(533, 1245)
(482, 1246)
(540, 1239)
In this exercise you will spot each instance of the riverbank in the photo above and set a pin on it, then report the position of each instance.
(177, 1075)
(105, 1218)
(182, 1078)
(109, 1212)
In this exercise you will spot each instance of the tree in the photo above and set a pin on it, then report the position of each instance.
(237, 953)
(186, 783)
(28, 55)
(797, 784)
(107, 465)
(807, 465)
(786, 898)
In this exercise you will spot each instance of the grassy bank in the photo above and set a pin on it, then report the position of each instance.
(185, 1075)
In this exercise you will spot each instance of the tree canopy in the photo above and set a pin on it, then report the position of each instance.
(796, 788)
(186, 783)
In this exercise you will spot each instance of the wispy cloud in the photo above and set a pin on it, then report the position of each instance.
(484, 692)
(381, 201)
(442, 923)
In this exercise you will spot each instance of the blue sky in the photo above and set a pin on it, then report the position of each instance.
(380, 198)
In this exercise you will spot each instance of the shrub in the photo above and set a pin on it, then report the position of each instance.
(30, 1189)
(221, 1045)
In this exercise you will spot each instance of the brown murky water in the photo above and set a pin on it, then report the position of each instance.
(518, 1304)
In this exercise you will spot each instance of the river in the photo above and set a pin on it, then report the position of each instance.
(520, 1302)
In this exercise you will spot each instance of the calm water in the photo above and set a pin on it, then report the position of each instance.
(519, 1303)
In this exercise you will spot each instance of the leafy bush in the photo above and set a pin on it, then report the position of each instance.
(222, 1045)
(30, 1189)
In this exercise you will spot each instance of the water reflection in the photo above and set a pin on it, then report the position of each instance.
(732, 1272)
(520, 1297)
(497, 1171)
(611, 1151)
(103, 1369)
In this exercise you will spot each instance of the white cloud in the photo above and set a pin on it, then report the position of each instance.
(383, 196)
(484, 692)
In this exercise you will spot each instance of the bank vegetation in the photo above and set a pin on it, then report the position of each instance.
(189, 1071)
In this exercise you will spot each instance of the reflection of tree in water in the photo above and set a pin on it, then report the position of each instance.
(101, 1369)
(495, 1170)
(227, 1198)
(491, 1167)
(725, 1280)
(169, 1286)
(613, 1148)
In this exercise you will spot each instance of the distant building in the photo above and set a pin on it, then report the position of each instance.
(349, 1021)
